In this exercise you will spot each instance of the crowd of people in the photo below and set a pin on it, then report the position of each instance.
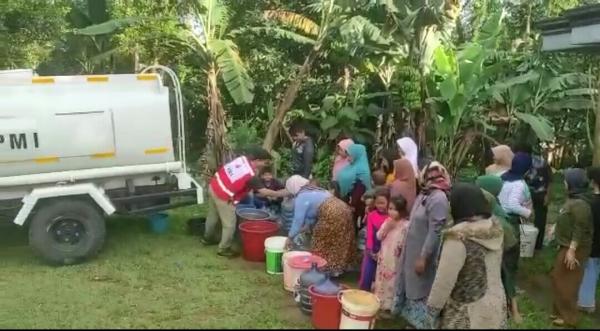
(438, 253)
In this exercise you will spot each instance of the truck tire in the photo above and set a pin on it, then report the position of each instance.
(67, 231)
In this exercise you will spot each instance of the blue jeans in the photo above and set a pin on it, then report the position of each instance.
(587, 290)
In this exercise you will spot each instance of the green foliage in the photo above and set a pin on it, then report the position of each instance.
(460, 77)
(29, 31)
(107, 27)
(236, 78)
(342, 115)
(243, 133)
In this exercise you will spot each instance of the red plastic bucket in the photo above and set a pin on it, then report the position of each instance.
(254, 234)
(326, 310)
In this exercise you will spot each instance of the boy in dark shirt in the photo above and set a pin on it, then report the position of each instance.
(268, 182)
(303, 151)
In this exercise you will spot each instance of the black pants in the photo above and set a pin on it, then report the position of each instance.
(540, 212)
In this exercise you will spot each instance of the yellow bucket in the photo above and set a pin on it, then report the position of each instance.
(359, 309)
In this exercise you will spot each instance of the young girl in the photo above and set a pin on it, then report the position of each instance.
(375, 221)
(391, 235)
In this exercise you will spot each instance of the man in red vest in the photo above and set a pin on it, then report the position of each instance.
(227, 187)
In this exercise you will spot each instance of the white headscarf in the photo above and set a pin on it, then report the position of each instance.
(411, 152)
(295, 183)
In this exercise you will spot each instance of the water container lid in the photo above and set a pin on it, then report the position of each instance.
(328, 287)
(305, 261)
(360, 302)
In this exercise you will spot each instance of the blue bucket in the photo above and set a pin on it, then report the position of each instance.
(159, 223)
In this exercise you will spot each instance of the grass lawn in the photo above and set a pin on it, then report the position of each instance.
(143, 280)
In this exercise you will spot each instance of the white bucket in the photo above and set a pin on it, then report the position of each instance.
(275, 244)
(359, 310)
(290, 275)
(529, 235)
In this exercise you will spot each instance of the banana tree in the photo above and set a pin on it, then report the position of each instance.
(538, 93)
(206, 23)
(459, 80)
(422, 25)
(338, 18)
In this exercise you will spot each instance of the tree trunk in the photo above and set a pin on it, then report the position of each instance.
(136, 59)
(288, 99)
(527, 33)
(217, 147)
(596, 147)
(422, 118)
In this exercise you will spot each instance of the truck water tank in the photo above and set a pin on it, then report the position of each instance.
(53, 124)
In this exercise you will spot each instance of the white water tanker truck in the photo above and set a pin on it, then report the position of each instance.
(75, 149)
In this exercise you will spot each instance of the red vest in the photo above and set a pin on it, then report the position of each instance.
(230, 181)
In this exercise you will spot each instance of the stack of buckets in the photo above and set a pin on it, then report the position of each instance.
(337, 309)
(334, 307)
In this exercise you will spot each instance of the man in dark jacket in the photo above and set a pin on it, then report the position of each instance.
(538, 179)
(303, 151)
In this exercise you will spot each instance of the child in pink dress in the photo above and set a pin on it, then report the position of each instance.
(392, 235)
(375, 221)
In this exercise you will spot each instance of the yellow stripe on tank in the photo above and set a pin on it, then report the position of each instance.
(46, 159)
(147, 77)
(42, 80)
(97, 79)
(106, 155)
(160, 150)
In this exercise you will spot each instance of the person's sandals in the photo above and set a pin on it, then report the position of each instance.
(558, 322)
(227, 253)
(207, 242)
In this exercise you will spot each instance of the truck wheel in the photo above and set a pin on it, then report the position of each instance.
(67, 231)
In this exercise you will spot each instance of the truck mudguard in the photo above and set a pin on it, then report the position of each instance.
(87, 189)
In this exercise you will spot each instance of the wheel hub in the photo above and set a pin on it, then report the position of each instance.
(67, 231)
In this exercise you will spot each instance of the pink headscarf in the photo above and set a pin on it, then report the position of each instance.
(340, 162)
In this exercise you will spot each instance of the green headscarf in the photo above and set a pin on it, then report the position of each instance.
(358, 169)
(490, 183)
(491, 186)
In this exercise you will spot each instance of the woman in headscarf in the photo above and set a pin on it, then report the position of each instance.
(503, 156)
(341, 157)
(574, 236)
(386, 164)
(419, 258)
(467, 292)
(408, 150)
(324, 223)
(355, 179)
(516, 202)
(405, 183)
(491, 186)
